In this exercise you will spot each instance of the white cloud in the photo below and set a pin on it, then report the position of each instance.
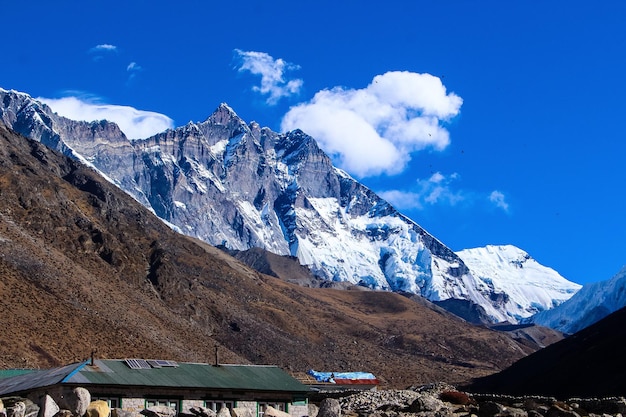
(374, 130)
(105, 47)
(436, 190)
(498, 198)
(272, 72)
(136, 124)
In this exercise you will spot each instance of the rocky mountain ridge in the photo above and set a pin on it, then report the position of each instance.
(242, 186)
(84, 267)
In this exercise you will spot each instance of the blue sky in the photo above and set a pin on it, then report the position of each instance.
(486, 122)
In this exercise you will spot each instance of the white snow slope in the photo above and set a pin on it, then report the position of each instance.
(589, 305)
(529, 287)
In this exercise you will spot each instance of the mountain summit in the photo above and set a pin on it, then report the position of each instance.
(242, 186)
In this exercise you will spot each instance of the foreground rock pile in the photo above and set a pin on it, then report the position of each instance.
(442, 400)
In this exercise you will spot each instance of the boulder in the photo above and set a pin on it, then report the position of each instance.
(48, 407)
(18, 409)
(425, 403)
(272, 412)
(490, 409)
(202, 412)
(561, 410)
(224, 412)
(98, 408)
(75, 400)
(329, 407)
(64, 413)
(236, 412)
(159, 411)
(313, 410)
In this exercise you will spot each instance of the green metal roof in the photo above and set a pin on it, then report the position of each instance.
(8, 373)
(185, 375)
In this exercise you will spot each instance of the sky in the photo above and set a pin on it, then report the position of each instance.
(486, 122)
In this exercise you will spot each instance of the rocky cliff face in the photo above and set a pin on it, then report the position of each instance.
(241, 186)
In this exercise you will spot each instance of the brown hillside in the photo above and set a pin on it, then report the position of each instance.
(590, 363)
(83, 266)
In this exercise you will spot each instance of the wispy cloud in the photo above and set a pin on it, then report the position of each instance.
(274, 84)
(98, 52)
(442, 190)
(374, 130)
(133, 69)
(136, 124)
(499, 200)
(105, 47)
(436, 190)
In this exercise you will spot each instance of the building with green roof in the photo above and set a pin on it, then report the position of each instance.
(136, 384)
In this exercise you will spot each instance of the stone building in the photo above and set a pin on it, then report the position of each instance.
(136, 384)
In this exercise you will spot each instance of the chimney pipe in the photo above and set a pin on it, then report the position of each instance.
(217, 362)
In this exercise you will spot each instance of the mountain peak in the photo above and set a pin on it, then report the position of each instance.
(224, 115)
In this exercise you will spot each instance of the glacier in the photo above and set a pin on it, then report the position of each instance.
(589, 305)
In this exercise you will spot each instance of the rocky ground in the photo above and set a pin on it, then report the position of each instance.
(443, 400)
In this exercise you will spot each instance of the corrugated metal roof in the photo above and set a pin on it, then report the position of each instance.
(185, 375)
(340, 381)
(8, 373)
(36, 379)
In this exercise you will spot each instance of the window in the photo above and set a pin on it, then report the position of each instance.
(263, 407)
(173, 404)
(217, 405)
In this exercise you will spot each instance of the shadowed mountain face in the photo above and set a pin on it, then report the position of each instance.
(590, 363)
(83, 266)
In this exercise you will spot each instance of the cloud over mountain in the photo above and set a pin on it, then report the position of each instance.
(375, 129)
(136, 124)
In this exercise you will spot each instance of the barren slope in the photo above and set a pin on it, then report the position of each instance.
(83, 266)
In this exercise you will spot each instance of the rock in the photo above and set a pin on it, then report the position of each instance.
(425, 403)
(202, 412)
(98, 408)
(159, 411)
(48, 407)
(329, 407)
(76, 400)
(64, 413)
(312, 410)
(18, 409)
(224, 412)
(236, 412)
(272, 412)
(513, 412)
(490, 409)
(561, 410)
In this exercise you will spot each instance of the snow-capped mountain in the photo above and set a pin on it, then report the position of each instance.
(589, 305)
(528, 286)
(239, 185)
